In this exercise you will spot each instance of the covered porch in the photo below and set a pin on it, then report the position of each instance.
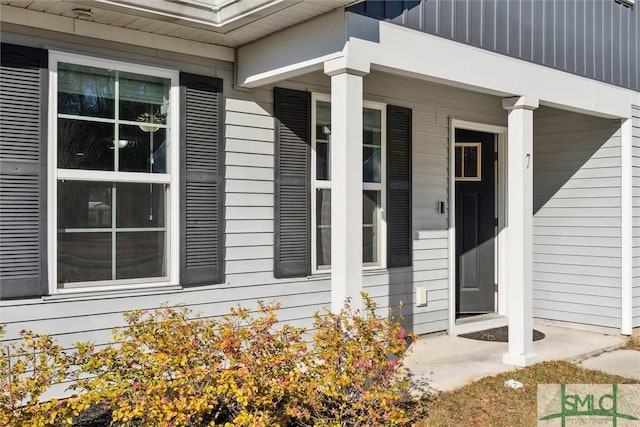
(526, 111)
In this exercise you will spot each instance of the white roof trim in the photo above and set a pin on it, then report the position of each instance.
(399, 50)
(30, 18)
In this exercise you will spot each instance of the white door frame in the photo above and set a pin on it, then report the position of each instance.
(483, 322)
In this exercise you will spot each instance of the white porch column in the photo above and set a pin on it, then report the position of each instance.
(346, 181)
(626, 229)
(519, 287)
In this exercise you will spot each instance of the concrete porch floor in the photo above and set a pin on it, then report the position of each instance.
(445, 362)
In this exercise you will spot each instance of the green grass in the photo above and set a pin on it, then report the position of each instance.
(488, 402)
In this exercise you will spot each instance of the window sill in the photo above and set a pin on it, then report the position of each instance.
(366, 271)
(88, 294)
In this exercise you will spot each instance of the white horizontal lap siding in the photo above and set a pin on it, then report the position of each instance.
(636, 218)
(249, 210)
(577, 207)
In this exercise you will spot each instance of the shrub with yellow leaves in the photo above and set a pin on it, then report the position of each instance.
(28, 368)
(169, 367)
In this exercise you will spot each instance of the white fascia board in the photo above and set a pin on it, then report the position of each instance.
(412, 52)
(62, 24)
(293, 51)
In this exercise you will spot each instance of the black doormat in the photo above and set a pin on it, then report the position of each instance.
(497, 335)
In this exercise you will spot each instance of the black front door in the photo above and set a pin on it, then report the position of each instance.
(475, 221)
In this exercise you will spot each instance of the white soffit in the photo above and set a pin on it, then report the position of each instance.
(228, 23)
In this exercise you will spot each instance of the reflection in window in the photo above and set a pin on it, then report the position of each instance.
(372, 178)
(111, 224)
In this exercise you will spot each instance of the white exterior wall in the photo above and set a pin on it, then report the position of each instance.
(249, 200)
(576, 236)
(635, 280)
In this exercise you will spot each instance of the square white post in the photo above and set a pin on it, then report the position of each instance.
(520, 231)
(346, 183)
(626, 230)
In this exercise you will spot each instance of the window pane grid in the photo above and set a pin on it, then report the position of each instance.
(109, 230)
(119, 161)
(113, 121)
(372, 183)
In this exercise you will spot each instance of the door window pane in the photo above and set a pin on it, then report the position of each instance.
(470, 161)
(468, 157)
(323, 228)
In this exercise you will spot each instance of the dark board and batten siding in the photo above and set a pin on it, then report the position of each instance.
(599, 39)
(636, 217)
(23, 186)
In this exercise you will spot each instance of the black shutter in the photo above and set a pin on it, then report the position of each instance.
(399, 236)
(23, 176)
(292, 257)
(202, 173)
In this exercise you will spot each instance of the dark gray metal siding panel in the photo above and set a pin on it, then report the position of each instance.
(592, 38)
(489, 24)
(624, 49)
(514, 22)
(445, 14)
(526, 26)
(559, 34)
(580, 38)
(537, 29)
(475, 24)
(607, 41)
(570, 36)
(23, 153)
(502, 27)
(548, 29)
(461, 27)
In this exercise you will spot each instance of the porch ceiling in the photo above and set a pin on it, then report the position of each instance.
(228, 23)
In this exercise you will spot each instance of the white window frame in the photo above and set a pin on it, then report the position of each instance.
(326, 184)
(172, 178)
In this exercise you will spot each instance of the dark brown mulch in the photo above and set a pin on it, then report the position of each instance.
(497, 335)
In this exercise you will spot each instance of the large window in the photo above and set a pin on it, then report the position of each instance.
(114, 168)
(373, 183)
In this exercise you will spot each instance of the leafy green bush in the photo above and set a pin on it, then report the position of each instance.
(171, 368)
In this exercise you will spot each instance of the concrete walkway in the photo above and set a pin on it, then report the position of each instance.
(444, 362)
